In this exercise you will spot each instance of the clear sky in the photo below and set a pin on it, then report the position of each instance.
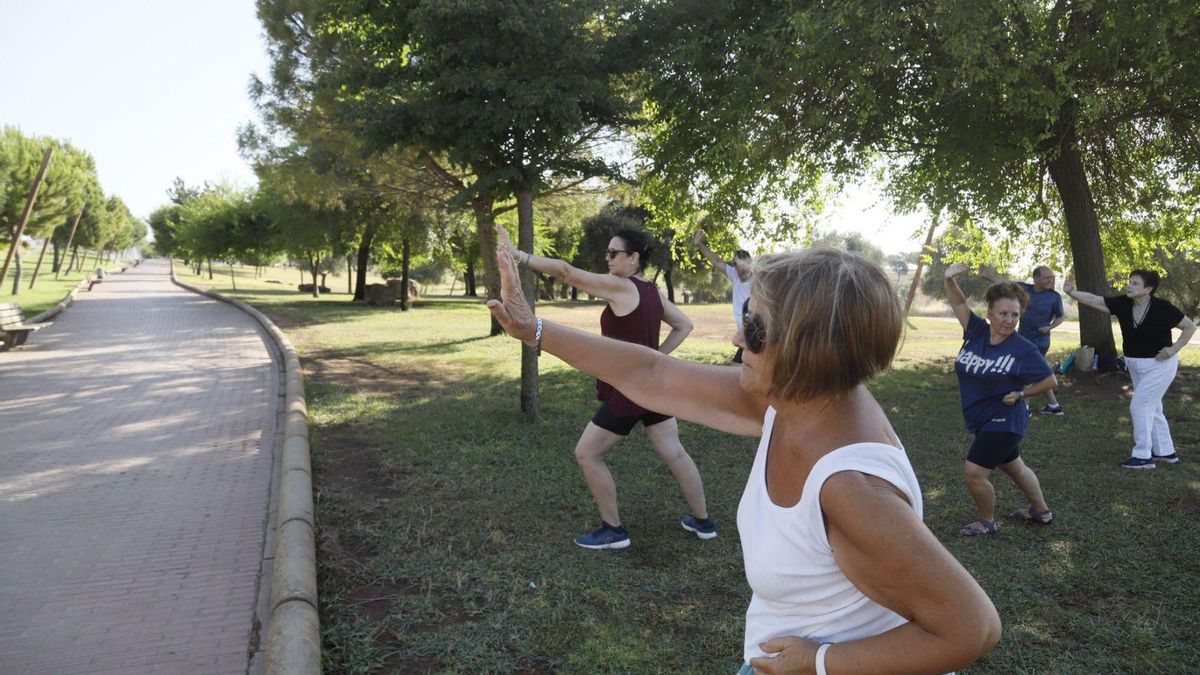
(157, 89)
(152, 89)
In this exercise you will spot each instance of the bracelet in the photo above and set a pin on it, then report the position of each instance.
(537, 338)
(528, 257)
(820, 660)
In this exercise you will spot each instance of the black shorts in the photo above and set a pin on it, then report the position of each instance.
(993, 448)
(621, 425)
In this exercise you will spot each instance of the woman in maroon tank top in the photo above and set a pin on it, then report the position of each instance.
(635, 311)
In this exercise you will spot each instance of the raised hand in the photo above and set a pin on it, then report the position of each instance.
(700, 238)
(511, 309)
(957, 269)
(1069, 284)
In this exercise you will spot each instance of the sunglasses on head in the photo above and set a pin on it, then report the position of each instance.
(613, 252)
(753, 330)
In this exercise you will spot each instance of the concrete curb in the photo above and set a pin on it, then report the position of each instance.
(67, 301)
(293, 631)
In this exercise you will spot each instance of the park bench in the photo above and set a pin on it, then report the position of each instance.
(14, 326)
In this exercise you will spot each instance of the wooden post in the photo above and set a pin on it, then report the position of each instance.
(33, 191)
(38, 266)
(927, 248)
(70, 240)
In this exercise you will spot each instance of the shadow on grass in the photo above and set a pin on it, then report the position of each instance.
(446, 520)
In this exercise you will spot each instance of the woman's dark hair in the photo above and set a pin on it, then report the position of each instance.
(637, 242)
(1009, 290)
(1150, 279)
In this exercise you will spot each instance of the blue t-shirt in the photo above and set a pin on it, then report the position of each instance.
(987, 372)
(1043, 308)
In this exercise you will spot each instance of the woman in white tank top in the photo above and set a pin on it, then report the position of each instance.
(845, 576)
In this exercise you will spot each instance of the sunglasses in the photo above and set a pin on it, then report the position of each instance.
(612, 253)
(753, 330)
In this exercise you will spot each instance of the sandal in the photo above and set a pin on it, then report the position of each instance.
(978, 527)
(1033, 515)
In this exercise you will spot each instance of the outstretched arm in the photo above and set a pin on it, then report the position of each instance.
(954, 294)
(708, 395)
(702, 244)
(1083, 297)
(617, 290)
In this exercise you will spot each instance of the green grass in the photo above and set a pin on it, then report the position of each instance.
(46, 293)
(445, 518)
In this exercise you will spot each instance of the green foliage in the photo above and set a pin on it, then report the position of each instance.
(70, 181)
(964, 104)
(852, 242)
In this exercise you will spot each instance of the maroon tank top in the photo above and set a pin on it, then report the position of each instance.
(642, 326)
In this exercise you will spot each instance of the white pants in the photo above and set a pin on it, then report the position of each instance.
(1151, 377)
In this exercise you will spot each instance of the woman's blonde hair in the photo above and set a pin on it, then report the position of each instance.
(832, 316)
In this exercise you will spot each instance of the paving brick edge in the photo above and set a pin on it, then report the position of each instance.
(293, 624)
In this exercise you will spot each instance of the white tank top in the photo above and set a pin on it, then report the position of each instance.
(797, 586)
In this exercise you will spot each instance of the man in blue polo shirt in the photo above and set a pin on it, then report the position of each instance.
(1044, 314)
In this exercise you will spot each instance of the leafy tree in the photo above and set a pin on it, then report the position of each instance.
(1070, 113)
(466, 87)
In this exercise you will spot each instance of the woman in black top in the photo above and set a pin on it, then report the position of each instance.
(1150, 354)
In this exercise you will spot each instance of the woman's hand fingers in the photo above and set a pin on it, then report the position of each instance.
(511, 309)
(793, 655)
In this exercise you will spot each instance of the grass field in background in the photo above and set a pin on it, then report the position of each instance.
(47, 291)
(445, 518)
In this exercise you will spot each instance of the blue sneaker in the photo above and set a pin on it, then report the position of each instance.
(705, 529)
(1137, 463)
(1172, 458)
(605, 537)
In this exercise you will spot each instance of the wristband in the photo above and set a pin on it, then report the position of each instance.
(528, 257)
(537, 339)
(820, 660)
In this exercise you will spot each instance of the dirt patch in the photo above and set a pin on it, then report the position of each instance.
(286, 322)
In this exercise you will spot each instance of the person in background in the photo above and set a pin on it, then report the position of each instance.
(845, 577)
(1044, 314)
(997, 370)
(739, 272)
(1150, 355)
(635, 311)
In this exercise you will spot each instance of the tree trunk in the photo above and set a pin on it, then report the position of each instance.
(314, 261)
(1083, 228)
(37, 268)
(232, 281)
(529, 362)
(469, 280)
(482, 206)
(670, 264)
(16, 270)
(405, 259)
(364, 257)
(55, 258)
(926, 249)
(350, 274)
(210, 274)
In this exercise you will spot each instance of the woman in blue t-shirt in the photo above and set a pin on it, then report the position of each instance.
(1151, 356)
(997, 370)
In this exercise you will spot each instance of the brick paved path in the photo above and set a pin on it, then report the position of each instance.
(136, 444)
